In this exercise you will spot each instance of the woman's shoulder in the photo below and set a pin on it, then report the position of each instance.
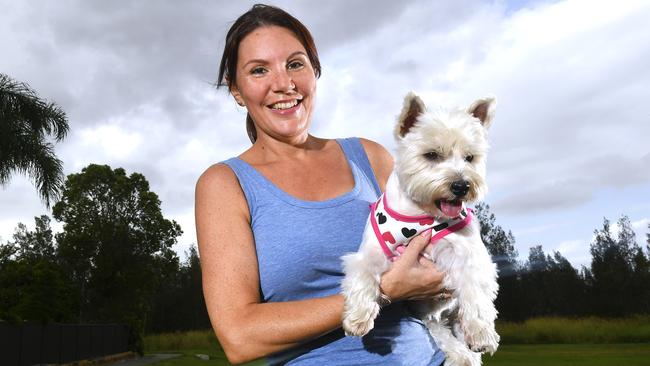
(219, 185)
(215, 175)
(380, 159)
(375, 150)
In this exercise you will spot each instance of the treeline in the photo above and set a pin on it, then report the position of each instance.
(112, 263)
(616, 284)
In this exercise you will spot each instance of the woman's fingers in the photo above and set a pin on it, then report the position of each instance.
(417, 245)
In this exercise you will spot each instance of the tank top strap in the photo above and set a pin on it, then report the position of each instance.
(355, 152)
(249, 180)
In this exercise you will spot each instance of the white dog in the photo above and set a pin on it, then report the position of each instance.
(439, 165)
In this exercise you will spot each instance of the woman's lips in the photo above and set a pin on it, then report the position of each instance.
(286, 111)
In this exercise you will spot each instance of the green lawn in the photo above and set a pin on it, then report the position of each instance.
(189, 358)
(628, 354)
(535, 342)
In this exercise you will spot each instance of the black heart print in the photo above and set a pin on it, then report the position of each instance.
(408, 232)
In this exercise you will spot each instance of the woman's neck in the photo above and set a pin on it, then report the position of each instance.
(268, 149)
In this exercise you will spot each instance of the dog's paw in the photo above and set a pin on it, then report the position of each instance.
(462, 357)
(485, 340)
(360, 320)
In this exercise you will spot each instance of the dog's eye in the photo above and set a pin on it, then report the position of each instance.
(469, 158)
(432, 155)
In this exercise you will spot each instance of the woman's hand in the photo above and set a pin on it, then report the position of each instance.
(412, 276)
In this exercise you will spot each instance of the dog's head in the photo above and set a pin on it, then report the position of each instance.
(441, 154)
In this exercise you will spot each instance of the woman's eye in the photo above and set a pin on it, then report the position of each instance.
(258, 71)
(295, 65)
(432, 155)
(469, 158)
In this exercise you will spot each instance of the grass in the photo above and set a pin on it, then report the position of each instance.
(535, 342)
(189, 344)
(189, 358)
(629, 354)
(188, 340)
(587, 330)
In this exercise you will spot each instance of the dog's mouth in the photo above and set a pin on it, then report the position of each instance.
(450, 208)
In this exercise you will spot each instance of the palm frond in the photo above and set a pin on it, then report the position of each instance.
(20, 105)
(26, 121)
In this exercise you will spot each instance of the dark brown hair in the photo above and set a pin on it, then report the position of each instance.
(260, 15)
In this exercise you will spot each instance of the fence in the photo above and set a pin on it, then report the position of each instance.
(28, 344)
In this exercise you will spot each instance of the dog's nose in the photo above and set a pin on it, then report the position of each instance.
(460, 188)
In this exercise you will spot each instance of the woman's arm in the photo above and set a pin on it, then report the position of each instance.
(246, 328)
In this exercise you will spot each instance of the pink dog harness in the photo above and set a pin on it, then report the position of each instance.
(394, 230)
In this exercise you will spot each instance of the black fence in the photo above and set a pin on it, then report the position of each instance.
(28, 344)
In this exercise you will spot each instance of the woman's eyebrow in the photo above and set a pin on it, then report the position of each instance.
(298, 53)
(256, 61)
(263, 62)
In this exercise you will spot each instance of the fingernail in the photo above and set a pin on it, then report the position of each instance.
(426, 233)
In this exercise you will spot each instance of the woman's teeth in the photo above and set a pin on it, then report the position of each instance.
(286, 105)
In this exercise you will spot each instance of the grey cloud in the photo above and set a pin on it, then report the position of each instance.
(572, 185)
(571, 117)
(552, 196)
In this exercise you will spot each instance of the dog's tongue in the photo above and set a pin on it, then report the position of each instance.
(451, 208)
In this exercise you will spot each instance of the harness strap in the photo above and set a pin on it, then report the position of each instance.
(441, 229)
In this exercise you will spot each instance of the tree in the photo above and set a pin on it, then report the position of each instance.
(35, 244)
(32, 285)
(116, 245)
(641, 281)
(501, 246)
(551, 286)
(534, 282)
(179, 303)
(612, 270)
(25, 122)
(7, 251)
(568, 288)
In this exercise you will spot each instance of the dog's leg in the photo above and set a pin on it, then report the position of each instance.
(456, 353)
(476, 293)
(361, 287)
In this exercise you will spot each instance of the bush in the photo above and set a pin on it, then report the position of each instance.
(194, 339)
(587, 330)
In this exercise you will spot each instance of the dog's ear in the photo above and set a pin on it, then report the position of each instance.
(413, 107)
(484, 109)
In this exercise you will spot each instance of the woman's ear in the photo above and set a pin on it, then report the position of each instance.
(234, 91)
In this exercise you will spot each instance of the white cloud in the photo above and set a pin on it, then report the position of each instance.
(571, 79)
(641, 230)
(110, 141)
(576, 251)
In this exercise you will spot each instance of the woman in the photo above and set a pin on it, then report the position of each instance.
(273, 223)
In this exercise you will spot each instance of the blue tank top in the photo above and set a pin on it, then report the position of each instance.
(299, 245)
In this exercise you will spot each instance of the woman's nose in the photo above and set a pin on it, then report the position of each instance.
(283, 82)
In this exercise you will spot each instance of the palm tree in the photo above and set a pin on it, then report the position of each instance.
(26, 122)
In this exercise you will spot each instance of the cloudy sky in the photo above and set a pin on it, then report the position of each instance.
(569, 143)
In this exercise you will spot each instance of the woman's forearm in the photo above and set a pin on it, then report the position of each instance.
(261, 329)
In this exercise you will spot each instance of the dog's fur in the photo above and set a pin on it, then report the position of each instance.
(463, 324)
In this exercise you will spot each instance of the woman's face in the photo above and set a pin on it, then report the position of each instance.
(276, 82)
